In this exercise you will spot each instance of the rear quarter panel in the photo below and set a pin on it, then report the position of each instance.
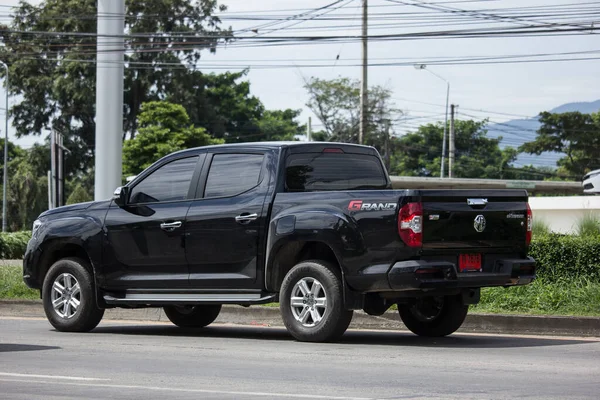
(359, 226)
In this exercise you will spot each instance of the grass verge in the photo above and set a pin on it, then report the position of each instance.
(11, 283)
(579, 297)
(576, 297)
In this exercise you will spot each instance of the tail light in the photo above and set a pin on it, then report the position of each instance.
(529, 225)
(410, 224)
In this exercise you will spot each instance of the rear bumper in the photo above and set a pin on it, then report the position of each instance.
(421, 275)
(407, 275)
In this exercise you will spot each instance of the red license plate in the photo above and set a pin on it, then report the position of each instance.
(469, 262)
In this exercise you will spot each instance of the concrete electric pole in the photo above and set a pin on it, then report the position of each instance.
(109, 97)
(5, 182)
(309, 130)
(424, 68)
(452, 137)
(364, 88)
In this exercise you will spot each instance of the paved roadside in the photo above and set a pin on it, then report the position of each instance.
(157, 361)
(269, 316)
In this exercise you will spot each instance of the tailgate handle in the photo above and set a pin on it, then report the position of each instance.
(477, 202)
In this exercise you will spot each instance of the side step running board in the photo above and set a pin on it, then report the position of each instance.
(190, 298)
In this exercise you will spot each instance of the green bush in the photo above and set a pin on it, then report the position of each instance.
(566, 257)
(13, 245)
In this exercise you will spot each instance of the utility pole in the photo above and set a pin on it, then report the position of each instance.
(309, 130)
(424, 68)
(451, 158)
(364, 88)
(445, 131)
(109, 97)
(60, 176)
(5, 182)
(387, 145)
(53, 167)
(50, 191)
(57, 170)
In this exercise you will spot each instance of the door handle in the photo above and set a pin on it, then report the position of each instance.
(170, 226)
(245, 218)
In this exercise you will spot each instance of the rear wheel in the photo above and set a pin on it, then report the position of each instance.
(434, 316)
(69, 297)
(193, 316)
(311, 302)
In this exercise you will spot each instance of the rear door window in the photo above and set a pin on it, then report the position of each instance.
(233, 174)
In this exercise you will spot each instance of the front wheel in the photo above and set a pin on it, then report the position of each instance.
(311, 302)
(69, 298)
(434, 316)
(193, 316)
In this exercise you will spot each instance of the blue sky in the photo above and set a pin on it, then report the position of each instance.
(519, 89)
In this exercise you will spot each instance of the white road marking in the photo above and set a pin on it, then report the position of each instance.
(62, 378)
(182, 390)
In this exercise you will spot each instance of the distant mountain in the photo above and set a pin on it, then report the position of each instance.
(582, 107)
(519, 131)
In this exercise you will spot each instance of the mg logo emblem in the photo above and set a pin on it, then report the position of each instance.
(479, 223)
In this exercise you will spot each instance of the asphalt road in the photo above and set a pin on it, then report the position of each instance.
(159, 361)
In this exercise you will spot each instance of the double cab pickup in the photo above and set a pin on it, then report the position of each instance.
(316, 227)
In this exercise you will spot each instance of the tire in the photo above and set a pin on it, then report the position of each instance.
(193, 316)
(69, 297)
(324, 319)
(434, 316)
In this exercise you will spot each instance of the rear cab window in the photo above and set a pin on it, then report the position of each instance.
(333, 171)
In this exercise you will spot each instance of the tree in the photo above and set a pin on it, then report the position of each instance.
(573, 133)
(476, 155)
(280, 125)
(27, 194)
(223, 105)
(54, 73)
(220, 103)
(163, 128)
(14, 152)
(79, 195)
(337, 105)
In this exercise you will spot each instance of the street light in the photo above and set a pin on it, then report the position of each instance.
(424, 67)
(5, 183)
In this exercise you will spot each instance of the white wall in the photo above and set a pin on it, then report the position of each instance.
(562, 213)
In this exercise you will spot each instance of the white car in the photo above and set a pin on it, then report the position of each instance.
(591, 182)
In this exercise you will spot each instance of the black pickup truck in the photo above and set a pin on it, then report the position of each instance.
(314, 226)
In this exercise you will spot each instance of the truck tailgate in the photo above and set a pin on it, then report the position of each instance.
(463, 219)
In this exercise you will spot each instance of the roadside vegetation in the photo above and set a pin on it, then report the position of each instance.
(568, 276)
(578, 297)
(11, 282)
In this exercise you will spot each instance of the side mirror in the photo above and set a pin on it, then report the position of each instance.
(120, 196)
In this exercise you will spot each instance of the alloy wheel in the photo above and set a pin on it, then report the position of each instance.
(66, 296)
(308, 302)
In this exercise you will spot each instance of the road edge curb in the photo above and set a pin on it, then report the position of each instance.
(269, 316)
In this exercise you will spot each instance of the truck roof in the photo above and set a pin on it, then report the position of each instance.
(295, 146)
